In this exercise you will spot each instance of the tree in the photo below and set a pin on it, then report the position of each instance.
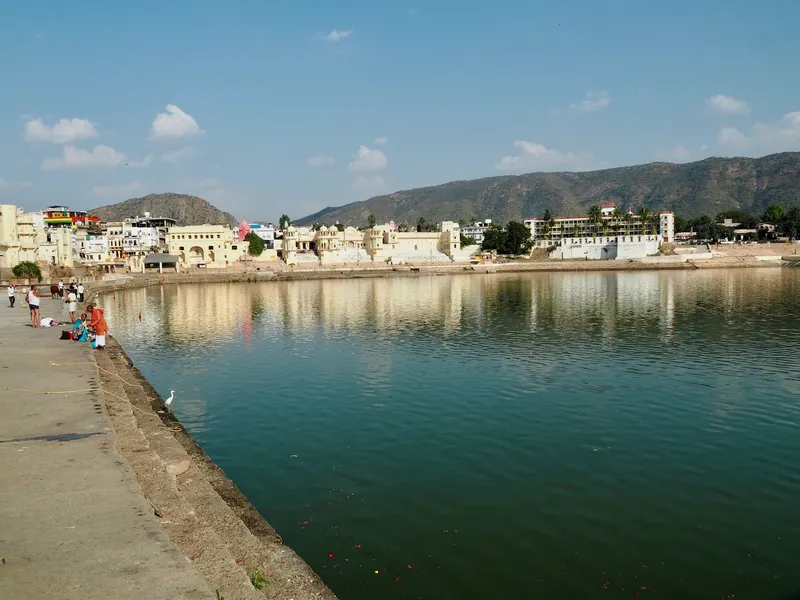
(339, 226)
(257, 245)
(772, 214)
(595, 216)
(518, 238)
(644, 217)
(403, 227)
(284, 222)
(371, 221)
(27, 270)
(494, 238)
(789, 224)
(421, 225)
(547, 216)
(619, 216)
(467, 240)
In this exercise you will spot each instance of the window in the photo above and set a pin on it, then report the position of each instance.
(234, 247)
(217, 236)
(211, 247)
(180, 248)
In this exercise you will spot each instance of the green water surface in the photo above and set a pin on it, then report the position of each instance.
(566, 435)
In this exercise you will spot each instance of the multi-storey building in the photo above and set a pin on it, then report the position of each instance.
(476, 230)
(205, 245)
(610, 221)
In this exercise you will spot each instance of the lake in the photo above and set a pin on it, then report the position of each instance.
(552, 435)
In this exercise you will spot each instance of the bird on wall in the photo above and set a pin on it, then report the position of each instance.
(168, 401)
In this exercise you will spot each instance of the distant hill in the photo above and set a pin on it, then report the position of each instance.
(186, 210)
(708, 186)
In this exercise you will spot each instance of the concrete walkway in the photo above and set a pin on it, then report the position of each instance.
(73, 524)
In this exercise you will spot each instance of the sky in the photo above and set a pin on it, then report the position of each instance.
(266, 108)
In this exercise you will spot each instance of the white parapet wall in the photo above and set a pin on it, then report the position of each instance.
(622, 247)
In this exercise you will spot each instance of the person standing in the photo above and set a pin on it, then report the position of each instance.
(72, 300)
(80, 292)
(11, 297)
(98, 324)
(32, 298)
(60, 288)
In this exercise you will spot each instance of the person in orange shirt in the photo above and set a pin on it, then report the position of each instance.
(98, 325)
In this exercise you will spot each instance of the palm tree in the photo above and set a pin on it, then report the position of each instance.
(595, 216)
(644, 217)
(618, 215)
(628, 221)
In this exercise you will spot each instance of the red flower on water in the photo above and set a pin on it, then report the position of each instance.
(330, 555)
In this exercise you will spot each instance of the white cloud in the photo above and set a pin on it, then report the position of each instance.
(174, 124)
(593, 102)
(703, 148)
(177, 155)
(115, 190)
(537, 157)
(677, 153)
(337, 35)
(367, 159)
(766, 138)
(78, 158)
(6, 185)
(320, 160)
(379, 141)
(733, 138)
(727, 105)
(211, 182)
(369, 185)
(140, 163)
(66, 130)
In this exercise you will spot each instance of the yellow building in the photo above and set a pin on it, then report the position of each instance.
(209, 246)
(24, 237)
(9, 238)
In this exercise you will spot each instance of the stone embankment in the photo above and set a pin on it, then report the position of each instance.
(203, 513)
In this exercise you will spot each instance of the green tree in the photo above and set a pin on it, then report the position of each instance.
(339, 226)
(644, 217)
(27, 270)
(371, 221)
(467, 240)
(421, 225)
(772, 214)
(284, 222)
(494, 238)
(257, 245)
(595, 217)
(789, 224)
(619, 217)
(518, 238)
(547, 215)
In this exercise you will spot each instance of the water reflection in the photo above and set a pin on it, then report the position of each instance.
(591, 423)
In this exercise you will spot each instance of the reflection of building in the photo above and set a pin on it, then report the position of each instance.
(209, 246)
(610, 234)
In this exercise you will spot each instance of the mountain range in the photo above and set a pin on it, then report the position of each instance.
(693, 189)
(185, 209)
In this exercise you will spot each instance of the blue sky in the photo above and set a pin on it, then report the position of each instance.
(272, 107)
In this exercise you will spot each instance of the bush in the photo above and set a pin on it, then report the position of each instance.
(257, 245)
(27, 270)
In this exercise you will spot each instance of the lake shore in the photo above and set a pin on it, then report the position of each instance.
(282, 273)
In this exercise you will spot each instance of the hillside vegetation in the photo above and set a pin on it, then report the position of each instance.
(185, 209)
(708, 186)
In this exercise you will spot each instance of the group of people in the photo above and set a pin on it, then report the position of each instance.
(91, 324)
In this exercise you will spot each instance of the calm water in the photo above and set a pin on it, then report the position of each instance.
(536, 436)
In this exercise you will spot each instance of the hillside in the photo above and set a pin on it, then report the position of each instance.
(708, 187)
(186, 210)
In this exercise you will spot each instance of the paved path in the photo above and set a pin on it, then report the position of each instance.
(73, 524)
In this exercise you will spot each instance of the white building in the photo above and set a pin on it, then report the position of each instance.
(613, 234)
(267, 232)
(206, 246)
(476, 230)
(131, 237)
